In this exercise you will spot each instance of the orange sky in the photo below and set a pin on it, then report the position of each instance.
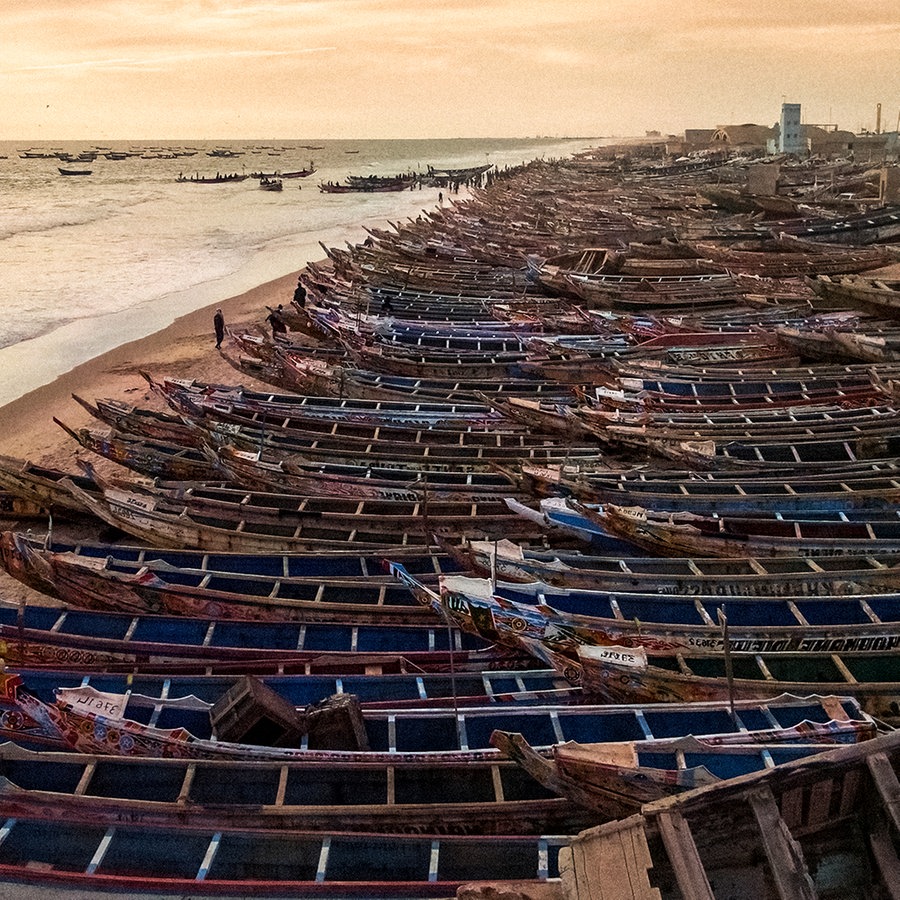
(206, 69)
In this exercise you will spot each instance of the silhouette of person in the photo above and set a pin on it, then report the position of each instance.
(219, 325)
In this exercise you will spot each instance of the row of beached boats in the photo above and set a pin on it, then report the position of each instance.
(550, 506)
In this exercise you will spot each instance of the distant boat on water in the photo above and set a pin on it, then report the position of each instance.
(74, 171)
(270, 184)
(212, 179)
(300, 173)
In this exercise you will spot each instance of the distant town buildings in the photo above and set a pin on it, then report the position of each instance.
(790, 136)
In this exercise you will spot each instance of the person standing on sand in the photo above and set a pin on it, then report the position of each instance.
(219, 325)
(274, 318)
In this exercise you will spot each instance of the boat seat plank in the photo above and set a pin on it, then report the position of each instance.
(684, 856)
(887, 784)
(786, 862)
(885, 858)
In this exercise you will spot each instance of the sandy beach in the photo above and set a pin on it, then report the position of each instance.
(185, 349)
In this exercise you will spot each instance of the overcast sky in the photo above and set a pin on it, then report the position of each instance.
(206, 69)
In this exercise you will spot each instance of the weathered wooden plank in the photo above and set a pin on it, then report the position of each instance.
(609, 862)
(886, 782)
(819, 801)
(792, 807)
(849, 791)
(683, 855)
(786, 862)
(885, 857)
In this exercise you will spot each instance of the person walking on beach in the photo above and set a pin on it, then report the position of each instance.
(219, 325)
(274, 318)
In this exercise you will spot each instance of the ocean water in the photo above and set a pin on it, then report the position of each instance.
(89, 263)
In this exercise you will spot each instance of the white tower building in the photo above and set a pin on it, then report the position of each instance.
(790, 139)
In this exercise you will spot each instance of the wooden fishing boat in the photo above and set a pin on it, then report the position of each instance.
(616, 779)
(142, 643)
(43, 486)
(189, 396)
(795, 259)
(495, 367)
(782, 837)
(792, 424)
(625, 676)
(871, 226)
(155, 459)
(363, 482)
(490, 796)
(431, 712)
(470, 450)
(226, 178)
(403, 796)
(639, 388)
(131, 858)
(854, 492)
(686, 626)
(299, 173)
(852, 290)
(330, 187)
(130, 419)
(339, 588)
(222, 522)
(669, 295)
(483, 428)
(722, 577)
(63, 171)
(688, 534)
(416, 716)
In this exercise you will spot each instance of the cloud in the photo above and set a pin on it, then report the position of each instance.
(160, 62)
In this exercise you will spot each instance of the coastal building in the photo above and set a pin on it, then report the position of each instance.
(790, 135)
(742, 138)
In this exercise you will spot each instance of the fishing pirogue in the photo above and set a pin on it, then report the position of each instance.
(565, 503)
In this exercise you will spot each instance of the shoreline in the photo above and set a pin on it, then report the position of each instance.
(183, 349)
